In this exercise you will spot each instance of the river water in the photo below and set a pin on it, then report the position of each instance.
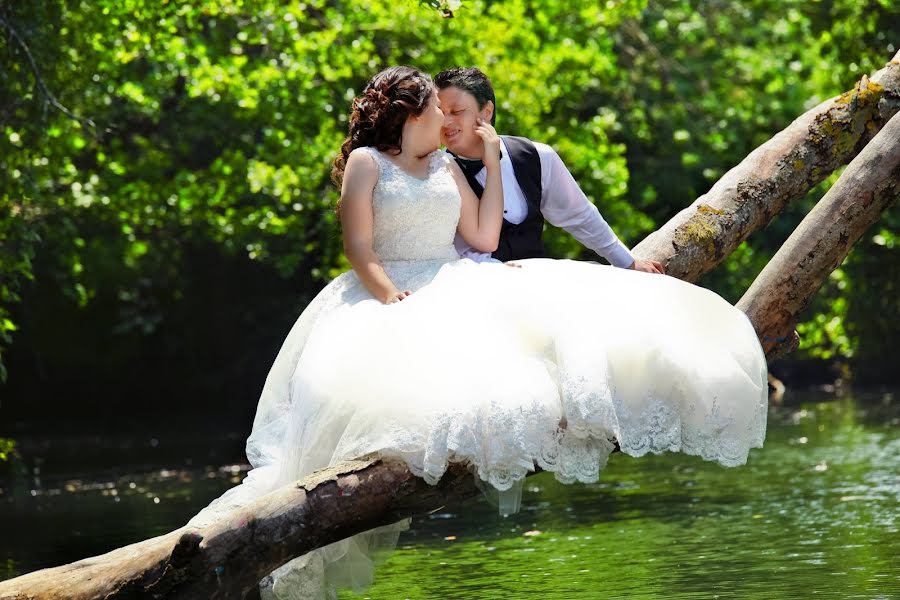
(814, 514)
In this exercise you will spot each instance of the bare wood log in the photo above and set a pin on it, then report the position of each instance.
(230, 557)
(783, 169)
(866, 188)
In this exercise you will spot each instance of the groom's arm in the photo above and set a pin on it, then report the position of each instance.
(565, 205)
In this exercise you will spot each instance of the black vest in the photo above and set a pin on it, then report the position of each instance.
(522, 240)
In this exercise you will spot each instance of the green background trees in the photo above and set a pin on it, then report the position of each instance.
(172, 240)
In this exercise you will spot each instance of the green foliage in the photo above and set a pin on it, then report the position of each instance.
(216, 123)
(17, 247)
(7, 449)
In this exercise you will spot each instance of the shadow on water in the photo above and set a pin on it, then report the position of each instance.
(813, 514)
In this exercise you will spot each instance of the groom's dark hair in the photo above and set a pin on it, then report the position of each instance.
(472, 80)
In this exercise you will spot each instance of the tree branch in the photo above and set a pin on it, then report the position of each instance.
(85, 123)
(783, 169)
(866, 188)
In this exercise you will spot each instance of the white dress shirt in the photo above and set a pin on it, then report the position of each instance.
(563, 204)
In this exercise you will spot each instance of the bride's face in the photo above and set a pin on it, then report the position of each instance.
(428, 124)
(461, 113)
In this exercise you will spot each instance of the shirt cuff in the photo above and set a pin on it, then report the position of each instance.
(619, 255)
(478, 257)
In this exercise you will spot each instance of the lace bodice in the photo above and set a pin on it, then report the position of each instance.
(415, 219)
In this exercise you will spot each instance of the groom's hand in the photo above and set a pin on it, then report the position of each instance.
(648, 266)
(488, 135)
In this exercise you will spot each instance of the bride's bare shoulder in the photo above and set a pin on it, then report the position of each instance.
(362, 162)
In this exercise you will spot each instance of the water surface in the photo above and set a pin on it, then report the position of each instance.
(813, 514)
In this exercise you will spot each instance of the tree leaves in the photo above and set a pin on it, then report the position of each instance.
(216, 122)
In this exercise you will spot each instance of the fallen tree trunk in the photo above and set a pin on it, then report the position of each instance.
(783, 169)
(868, 186)
(228, 558)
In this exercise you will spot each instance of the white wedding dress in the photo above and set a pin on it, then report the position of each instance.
(500, 368)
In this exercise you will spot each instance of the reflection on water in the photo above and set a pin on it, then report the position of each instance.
(813, 514)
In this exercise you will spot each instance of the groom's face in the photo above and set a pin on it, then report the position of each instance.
(460, 120)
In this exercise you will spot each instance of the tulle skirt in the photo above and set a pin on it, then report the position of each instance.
(504, 369)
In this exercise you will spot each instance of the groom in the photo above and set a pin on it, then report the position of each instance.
(536, 183)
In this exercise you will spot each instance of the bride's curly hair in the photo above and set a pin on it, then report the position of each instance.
(377, 116)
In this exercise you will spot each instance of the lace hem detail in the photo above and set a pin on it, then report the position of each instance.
(504, 447)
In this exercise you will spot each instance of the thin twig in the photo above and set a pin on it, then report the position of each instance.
(85, 123)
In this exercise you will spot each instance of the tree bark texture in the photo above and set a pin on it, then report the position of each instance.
(783, 169)
(866, 188)
(228, 558)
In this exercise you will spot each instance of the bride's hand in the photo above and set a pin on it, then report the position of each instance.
(397, 297)
(488, 134)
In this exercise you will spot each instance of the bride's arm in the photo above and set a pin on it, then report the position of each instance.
(357, 222)
(480, 220)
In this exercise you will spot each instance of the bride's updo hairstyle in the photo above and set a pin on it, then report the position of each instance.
(377, 116)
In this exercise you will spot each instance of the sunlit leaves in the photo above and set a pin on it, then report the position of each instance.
(7, 449)
(218, 121)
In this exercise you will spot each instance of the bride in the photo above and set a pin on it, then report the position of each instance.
(423, 356)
